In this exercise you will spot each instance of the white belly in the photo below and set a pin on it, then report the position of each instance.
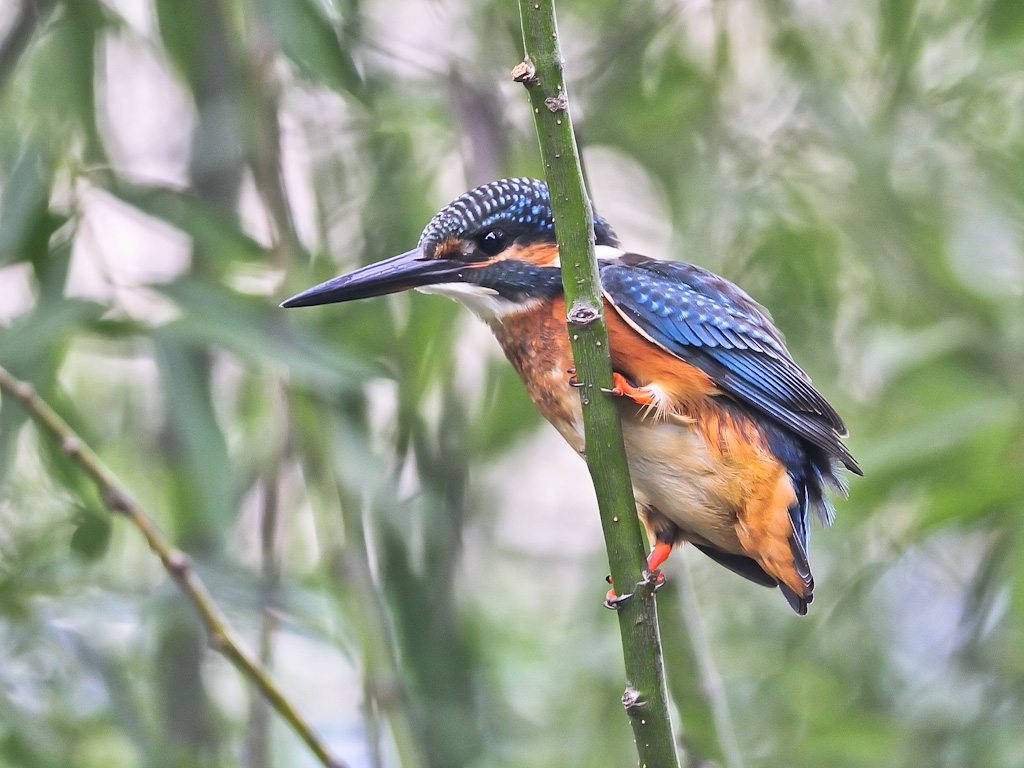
(673, 470)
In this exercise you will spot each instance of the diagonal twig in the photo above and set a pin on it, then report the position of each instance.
(120, 501)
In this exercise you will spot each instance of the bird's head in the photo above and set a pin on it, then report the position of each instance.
(492, 248)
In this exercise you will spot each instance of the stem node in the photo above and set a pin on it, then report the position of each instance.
(555, 103)
(582, 314)
(524, 72)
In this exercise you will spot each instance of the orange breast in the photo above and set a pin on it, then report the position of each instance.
(537, 344)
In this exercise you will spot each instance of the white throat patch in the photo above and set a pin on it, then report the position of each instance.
(485, 303)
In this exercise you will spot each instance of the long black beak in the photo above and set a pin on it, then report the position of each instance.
(399, 273)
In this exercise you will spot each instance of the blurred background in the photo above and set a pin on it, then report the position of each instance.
(366, 489)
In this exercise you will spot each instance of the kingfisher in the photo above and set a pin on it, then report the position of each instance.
(730, 447)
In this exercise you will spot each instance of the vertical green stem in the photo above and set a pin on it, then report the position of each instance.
(645, 699)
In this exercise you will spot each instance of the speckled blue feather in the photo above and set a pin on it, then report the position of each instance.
(695, 314)
(520, 204)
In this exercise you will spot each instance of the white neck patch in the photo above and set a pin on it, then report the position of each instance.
(607, 251)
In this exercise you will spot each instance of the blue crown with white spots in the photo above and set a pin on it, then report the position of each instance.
(520, 204)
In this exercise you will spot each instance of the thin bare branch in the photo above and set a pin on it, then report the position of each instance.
(120, 501)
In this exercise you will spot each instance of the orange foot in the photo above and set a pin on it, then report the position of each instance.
(658, 556)
(613, 601)
(622, 388)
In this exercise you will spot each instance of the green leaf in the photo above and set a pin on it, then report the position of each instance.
(897, 21)
(800, 263)
(50, 324)
(254, 329)
(63, 69)
(1004, 21)
(25, 226)
(308, 39)
(196, 448)
(181, 23)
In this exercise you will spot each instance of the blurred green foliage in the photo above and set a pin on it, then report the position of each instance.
(357, 484)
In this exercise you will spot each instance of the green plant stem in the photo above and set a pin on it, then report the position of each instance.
(645, 698)
(711, 685)
(384, 688)
(119, 500)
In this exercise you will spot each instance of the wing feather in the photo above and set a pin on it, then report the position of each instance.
(712, 324)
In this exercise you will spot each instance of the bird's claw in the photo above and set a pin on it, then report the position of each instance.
(623, 388)
(613, 601)
(655, 578)
(573, 381)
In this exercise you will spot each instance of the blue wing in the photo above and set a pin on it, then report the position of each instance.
(712, 324)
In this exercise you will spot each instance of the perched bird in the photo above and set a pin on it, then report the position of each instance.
(729, 445)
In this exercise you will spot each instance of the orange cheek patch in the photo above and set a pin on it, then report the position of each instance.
(540, 254)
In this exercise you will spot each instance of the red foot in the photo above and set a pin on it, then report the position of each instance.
(623, 388)
(613, 601)
(659, 554)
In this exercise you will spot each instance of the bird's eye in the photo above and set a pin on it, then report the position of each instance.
(492, 242)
